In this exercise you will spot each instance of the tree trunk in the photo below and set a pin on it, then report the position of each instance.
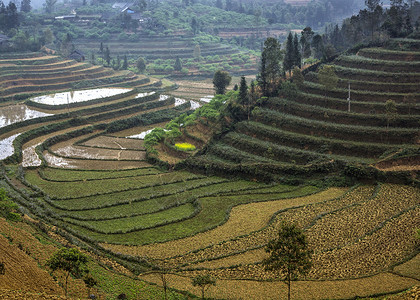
(65, 288)
(288, 286)
(202, 292)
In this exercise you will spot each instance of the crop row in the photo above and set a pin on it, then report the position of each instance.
(71, 190)
(353, 223)
(61, 175)
(32, 61)
(331, 130)
(325, 201)
(304, 141)
(45, 67)
(377, 76)
(340, 116)
(356, 106)
(393, 55)
(138, 223)
(76, 69)
(376, 252)
(279, 152)
(357, 95)
(370, 86)
(215, 211)
(38, 80)
(358, 62)
(116, 78)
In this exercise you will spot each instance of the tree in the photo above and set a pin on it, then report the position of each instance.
(25, 6)
(289, 60)
(194, 26)
(49, 6)
(297, 77)
(243, 96)
(67, 46)
(318, 46)
(197, 52)
(373, 14)
(270, 69)
(90, 282)
(289, 254)
(221, 80)
(125, 63)
(178, 65)
(305, 41)
(107, 55)
(69, 260)
(327, 78)
(141, 64)
(390, 111)
(297, 58)
(204, 282)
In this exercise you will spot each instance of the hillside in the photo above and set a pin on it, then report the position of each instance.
(26, 74)
(312, 132)
(79, 165)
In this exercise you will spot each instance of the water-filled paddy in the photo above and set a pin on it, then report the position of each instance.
(6, 146)
(78, 96)
(18, 113)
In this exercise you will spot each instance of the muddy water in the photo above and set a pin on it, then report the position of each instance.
(30, 158)
(78, 96)
(6, 146)
(18, 113)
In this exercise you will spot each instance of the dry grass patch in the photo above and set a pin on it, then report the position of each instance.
(243, 219)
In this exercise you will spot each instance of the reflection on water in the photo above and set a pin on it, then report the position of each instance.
(207, 98)
(6, 146)
(78, 96)
(18, 113)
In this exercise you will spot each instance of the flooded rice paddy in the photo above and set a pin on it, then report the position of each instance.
(6, 146)
(18, 113)
(78, 96)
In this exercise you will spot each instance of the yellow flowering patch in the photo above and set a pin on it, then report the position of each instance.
(185, 147)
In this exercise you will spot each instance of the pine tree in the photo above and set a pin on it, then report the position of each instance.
(125, 63)
(178, 65)
(270, 70)
(296, 52)
(25, 6)
(289, 59)
(107, 55)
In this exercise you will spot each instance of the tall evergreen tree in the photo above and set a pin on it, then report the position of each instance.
(125, 63)
(25, 6)
(296, 52)
(289, 57)
(270, 70)
(178, 65)
(305, 41)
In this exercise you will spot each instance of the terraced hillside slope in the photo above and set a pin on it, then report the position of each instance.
(25, 74)
(80, 169)
(312, 131)
(160, 52)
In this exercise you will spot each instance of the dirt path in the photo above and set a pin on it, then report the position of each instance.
(330, 289)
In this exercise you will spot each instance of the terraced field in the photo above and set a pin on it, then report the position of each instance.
(319, 131)
(28, 74)
(74, 167)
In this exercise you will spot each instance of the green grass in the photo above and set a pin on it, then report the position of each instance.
(139, 222)
(136, 195)
(76, 189)
(213, 213)
(54, 174)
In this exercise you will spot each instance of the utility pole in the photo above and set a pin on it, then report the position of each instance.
(348, 99)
